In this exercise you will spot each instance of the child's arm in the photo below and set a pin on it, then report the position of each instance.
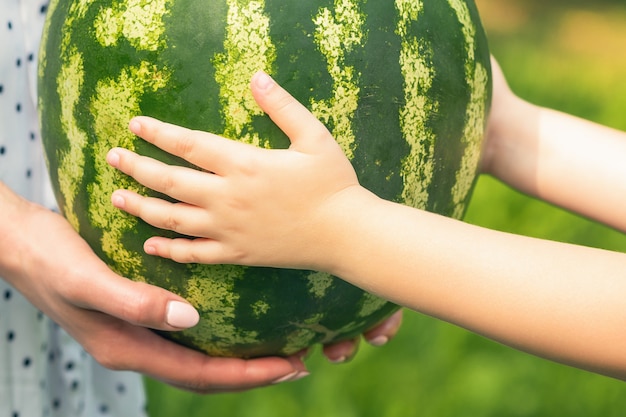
(304, 208)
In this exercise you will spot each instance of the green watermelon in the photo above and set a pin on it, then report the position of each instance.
(403, 85)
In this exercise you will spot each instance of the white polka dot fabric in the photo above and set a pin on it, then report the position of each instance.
(43, 372)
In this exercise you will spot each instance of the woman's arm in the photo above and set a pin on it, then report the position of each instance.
(304, 208)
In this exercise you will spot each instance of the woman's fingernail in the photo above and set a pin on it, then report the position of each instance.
(150, 250)
(378, 341)
(263, 81)
(340, 359)
(181, 315)
(300, 375)
(286, 377)
(294, 376)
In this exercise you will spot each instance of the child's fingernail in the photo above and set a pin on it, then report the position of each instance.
(150, 250)
(134, 126)
(181, 315)
(113, 158)
(118, 201)
(263, 81)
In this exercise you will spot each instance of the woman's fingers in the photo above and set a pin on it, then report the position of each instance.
(137, 303)
(343, 351)
(144, 351)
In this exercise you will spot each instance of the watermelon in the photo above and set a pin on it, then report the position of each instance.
(404, 86)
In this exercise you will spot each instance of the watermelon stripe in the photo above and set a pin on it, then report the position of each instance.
(69, 85)
(110, 125)
(247, 49)
(469, 32)
(336, 34)
(477, 79)
(141, 26)
(212, 290)
(417, 72)
(71, 161)
(473, 135)
(114, 102)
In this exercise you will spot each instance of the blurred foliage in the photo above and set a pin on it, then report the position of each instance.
(568, 55)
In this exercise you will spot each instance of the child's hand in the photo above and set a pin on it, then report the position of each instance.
(254, 206)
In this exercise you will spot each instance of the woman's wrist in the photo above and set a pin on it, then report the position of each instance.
(12, 209)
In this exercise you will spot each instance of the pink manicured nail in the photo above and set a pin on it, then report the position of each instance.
(300, 375)
(294, 376)
(150, 250)
(181, 315)
(378, 341)
(263, 81)
(340, 359)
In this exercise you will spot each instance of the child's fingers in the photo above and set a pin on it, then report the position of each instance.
(304, 130)
(178, 217)
(201, 250)
(202, 149)
(183, 184)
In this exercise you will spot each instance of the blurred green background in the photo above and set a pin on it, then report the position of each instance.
(568, 55)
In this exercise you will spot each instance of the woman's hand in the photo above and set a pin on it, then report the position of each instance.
(110, 316)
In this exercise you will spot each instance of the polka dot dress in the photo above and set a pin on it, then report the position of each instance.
(43, 372)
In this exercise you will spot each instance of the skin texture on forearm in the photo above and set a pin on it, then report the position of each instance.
(531, 294)
(11, 205)
(580, 167)
(559, 158)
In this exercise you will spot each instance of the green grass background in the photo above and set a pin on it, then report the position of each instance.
(568, 55)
